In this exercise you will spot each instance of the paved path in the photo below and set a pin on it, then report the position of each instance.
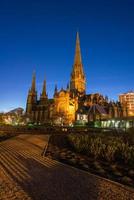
(25, 174)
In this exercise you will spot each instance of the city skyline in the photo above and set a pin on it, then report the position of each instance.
(44, 41)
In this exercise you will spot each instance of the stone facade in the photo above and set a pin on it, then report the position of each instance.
(37, 110)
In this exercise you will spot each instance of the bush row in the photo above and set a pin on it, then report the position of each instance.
(111, 149)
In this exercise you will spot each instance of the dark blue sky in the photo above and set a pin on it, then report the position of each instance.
(40, 35)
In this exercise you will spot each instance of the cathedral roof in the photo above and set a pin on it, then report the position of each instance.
(97, 108)
(83, 109)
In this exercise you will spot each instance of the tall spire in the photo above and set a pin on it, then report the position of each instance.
(44, 89)
(43, 96)
(32, 96)
(33, 87)
(56, 89)
(68, 86)
(78, 80)
(77, 57)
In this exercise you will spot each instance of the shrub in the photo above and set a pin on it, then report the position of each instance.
(109, 148)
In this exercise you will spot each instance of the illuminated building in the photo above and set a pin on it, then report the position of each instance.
(65, 102)
(128, 99)
(68, 105)
(94, 107)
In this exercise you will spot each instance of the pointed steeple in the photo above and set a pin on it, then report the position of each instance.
(33, 87)
(56, 89)
(78, 80)
(44, 89)
(43, 96)
(32, 96)
(68, 86)
(77, 57)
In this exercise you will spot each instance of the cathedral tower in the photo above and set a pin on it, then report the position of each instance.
(43, 96)
(78, 80)
(32, 96)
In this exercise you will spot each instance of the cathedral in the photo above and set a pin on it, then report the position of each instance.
(72, 104)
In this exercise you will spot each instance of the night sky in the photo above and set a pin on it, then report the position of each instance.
(40, 35)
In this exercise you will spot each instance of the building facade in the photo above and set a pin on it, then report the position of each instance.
(71, 104)
(128, 99)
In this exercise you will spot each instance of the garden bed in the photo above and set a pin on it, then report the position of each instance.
(72, 149)
(5, 136)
